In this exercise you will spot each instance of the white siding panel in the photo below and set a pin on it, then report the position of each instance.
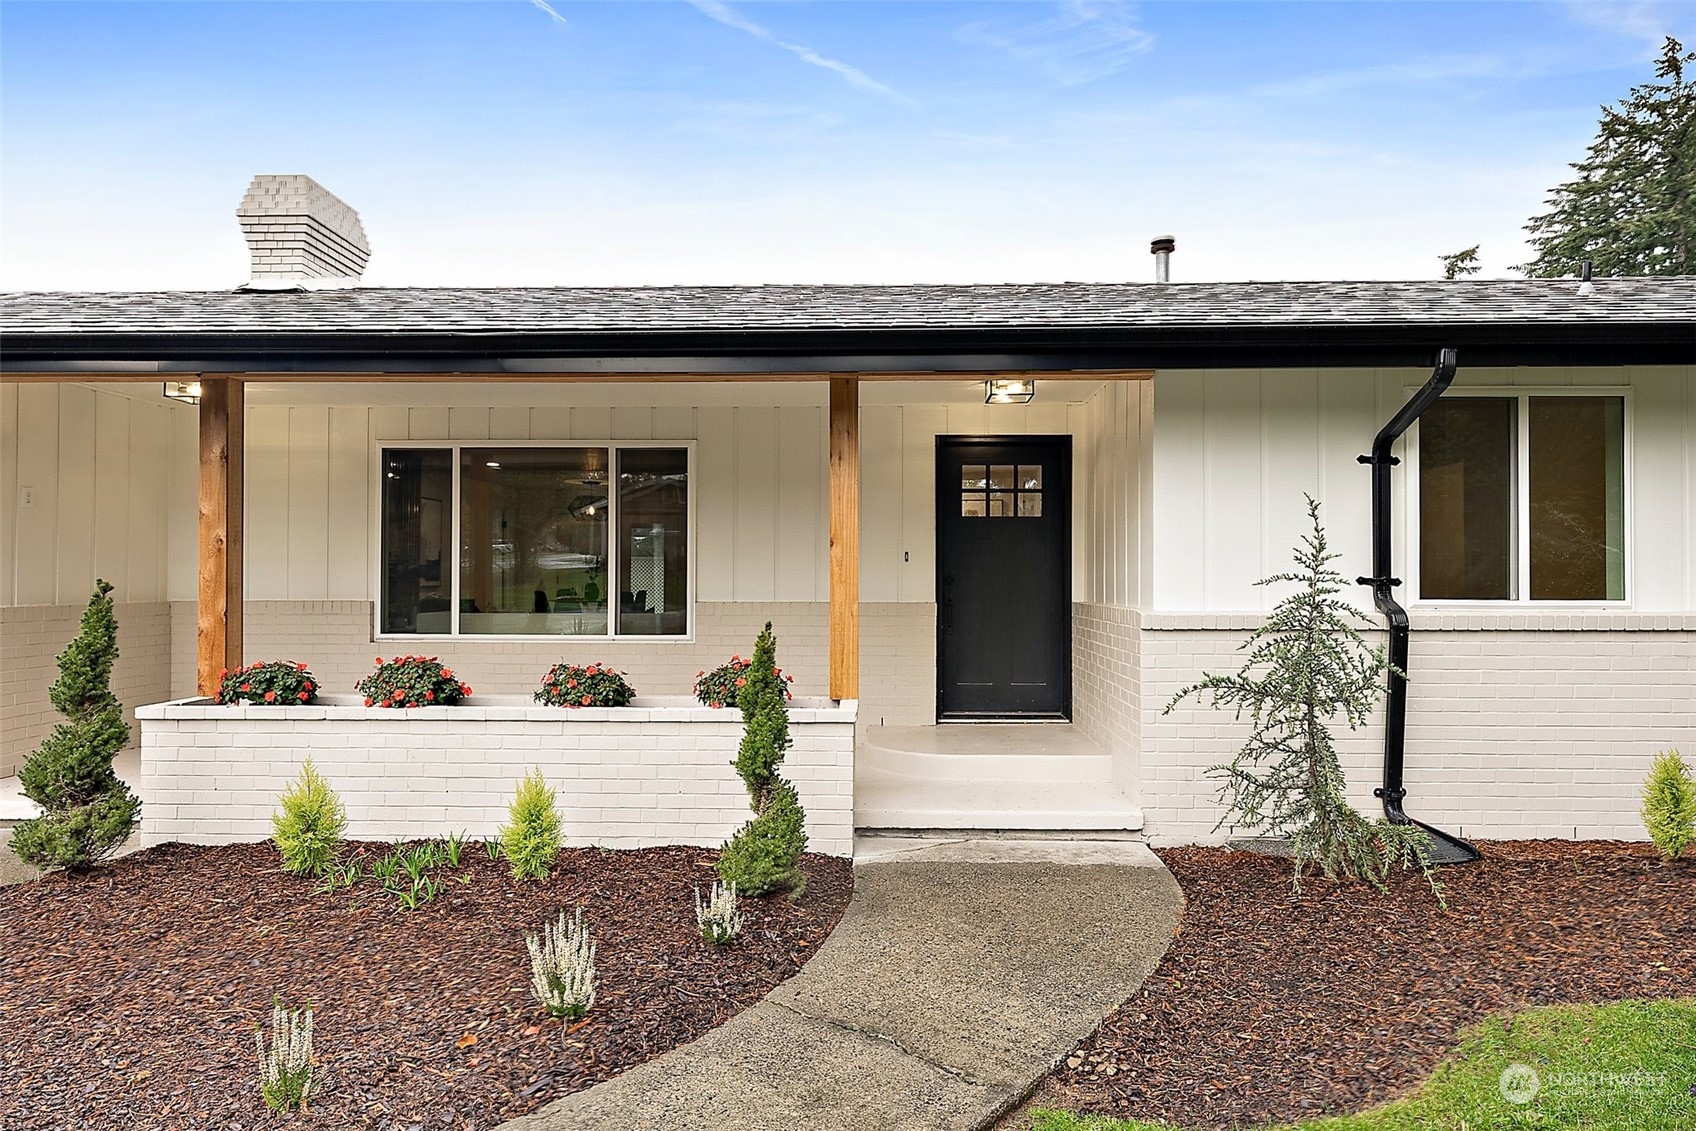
(389, 422)
(883, 498)
(81, 466)
(309, 546)
(348, 518)
(756, 504)
(551, 423)
(38, 467)
(803, 537)
(112, 490)
(674, 422)
(591, 422)
(427, 423)
(509, 424)
(468, 423)
(182, 574)
(8, 490)
(1662, 421)
(920, 426)
(149, 481)
(633, 422)
(715, 469)
(266, 515)
(1180, 494)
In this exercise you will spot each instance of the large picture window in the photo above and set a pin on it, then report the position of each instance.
(551, 541)
(1522, 497)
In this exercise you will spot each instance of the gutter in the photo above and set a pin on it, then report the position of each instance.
(1445, 848)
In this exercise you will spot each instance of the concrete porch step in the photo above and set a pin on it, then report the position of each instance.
(895, 801)
(971, 752)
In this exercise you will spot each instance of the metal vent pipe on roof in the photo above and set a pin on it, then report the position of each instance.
(1162, 247)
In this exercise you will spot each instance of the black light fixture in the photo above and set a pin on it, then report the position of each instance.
(186, 391)
(1008, 390)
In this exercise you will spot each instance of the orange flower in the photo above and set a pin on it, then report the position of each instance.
(247, 687)
(741, 681)
(270, 696)
(367, 700)
(399, 694)
(302, 696)
(587, 699)
(465, 689)
(300, 667)
(447, 673)
(571, 683)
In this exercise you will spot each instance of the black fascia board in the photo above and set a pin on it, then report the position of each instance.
(966, 349)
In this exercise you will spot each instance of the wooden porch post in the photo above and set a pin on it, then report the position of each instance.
(218, 629)
(844, 538)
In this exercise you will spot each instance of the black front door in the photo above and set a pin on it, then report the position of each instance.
(1003, 577)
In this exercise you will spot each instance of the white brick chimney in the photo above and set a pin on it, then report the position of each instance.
(300, 234)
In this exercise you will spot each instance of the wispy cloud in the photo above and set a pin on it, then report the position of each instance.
(553, 14)
(1646, 20)
(1082, 41)
(1410, 72)
(729, 17)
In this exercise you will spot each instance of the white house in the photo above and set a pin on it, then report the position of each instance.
(644, 476)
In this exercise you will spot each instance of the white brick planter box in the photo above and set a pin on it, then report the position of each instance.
(656, 772)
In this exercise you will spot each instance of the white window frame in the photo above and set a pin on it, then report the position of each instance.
(1521, 499)
(612, 448)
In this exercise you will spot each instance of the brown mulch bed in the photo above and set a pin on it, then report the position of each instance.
(128, 996)
(1268, 1011)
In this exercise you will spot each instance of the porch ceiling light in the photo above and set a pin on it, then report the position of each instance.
(1002, 390)
(186, 391)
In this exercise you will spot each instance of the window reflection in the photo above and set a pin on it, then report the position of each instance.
(417, 526)
(533, 541)
(653, 541)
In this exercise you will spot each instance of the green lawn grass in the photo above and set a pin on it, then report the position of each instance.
(1625, 1066)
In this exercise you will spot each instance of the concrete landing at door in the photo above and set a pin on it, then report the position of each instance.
(987, 776)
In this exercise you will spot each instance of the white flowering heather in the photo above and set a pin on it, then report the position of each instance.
(562, 967)
(285, 1070)
(717, 914)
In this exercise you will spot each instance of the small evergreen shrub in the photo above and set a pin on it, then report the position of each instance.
(716, 914)
(765, 854)
(87, 810)
(307, 828)
(285, 1069)
(562, 967)
(572, 685)
(411, 681)
(722, 686)
(530, 839)
(1306, 665)
(278, 683)
(1669, 804)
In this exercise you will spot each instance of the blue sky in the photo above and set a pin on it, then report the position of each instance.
(644, 141)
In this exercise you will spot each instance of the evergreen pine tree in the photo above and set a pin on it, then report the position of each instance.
(87, 812)
(1632, 208)
(1305, 665)
(765, 854)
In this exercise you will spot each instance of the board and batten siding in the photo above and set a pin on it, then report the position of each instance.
(1234, 451)
(97, 464)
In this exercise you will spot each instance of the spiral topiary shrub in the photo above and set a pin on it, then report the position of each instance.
(87, 810)
(765, 854)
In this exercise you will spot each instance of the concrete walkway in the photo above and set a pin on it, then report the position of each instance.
(961, 974)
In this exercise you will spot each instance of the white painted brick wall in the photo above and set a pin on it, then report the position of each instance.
(31, 638)
(1528, 732)
(898, 663)
(1107, 684)
(625, 778)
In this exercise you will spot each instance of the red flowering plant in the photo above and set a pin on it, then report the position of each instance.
(411, 681)
(570, 685)
(269, 683)
(721, 686)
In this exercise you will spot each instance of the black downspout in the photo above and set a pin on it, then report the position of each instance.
(1445, 849)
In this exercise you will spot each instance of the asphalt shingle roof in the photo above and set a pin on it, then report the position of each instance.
(636, 310)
